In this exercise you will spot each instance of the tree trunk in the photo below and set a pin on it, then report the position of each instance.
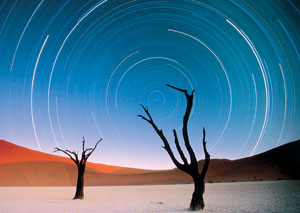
(80, 183)
(197, 201)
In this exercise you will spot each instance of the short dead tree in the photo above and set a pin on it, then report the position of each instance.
(86, 153)
(191, 168)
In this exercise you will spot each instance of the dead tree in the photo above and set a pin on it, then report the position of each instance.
(86, 153)
(191, 168)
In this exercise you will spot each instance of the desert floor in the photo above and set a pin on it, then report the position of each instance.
(264, 196)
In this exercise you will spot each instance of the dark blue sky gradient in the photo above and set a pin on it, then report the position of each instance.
(82, 68)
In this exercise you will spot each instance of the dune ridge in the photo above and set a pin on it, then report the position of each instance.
(12, 153)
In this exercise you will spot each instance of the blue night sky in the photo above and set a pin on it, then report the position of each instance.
(82, 68)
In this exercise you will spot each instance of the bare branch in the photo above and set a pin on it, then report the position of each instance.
(141, 116)
(179, 148)
(184, 129)
(73, 153)
(92, 150)
(67, 152)
(149, 119)
(163, 138)
(181, 90)
(83, 142)
(70, 152)
(89, 149)
(207, 157)
(76, 157)
(204, 143)
(147, 112)
(189, 99)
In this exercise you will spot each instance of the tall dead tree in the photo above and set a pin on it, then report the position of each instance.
(86, 153)
(191, 168)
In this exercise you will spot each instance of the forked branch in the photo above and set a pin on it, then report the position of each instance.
(189, 99)
(86, 153)
(163, 138)
(91, 150)
(67, 152)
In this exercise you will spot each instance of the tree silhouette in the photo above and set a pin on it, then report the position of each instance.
(86, 153)
(191, 168)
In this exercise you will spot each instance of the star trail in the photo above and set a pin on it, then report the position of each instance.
(83, 68)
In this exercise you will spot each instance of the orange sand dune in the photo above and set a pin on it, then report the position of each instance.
(11, 153)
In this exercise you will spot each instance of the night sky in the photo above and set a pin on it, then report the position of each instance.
(71, 68)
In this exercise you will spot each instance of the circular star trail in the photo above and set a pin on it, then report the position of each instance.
(83, 68)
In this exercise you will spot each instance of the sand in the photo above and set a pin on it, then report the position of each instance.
(11, 153)
(263, 196)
